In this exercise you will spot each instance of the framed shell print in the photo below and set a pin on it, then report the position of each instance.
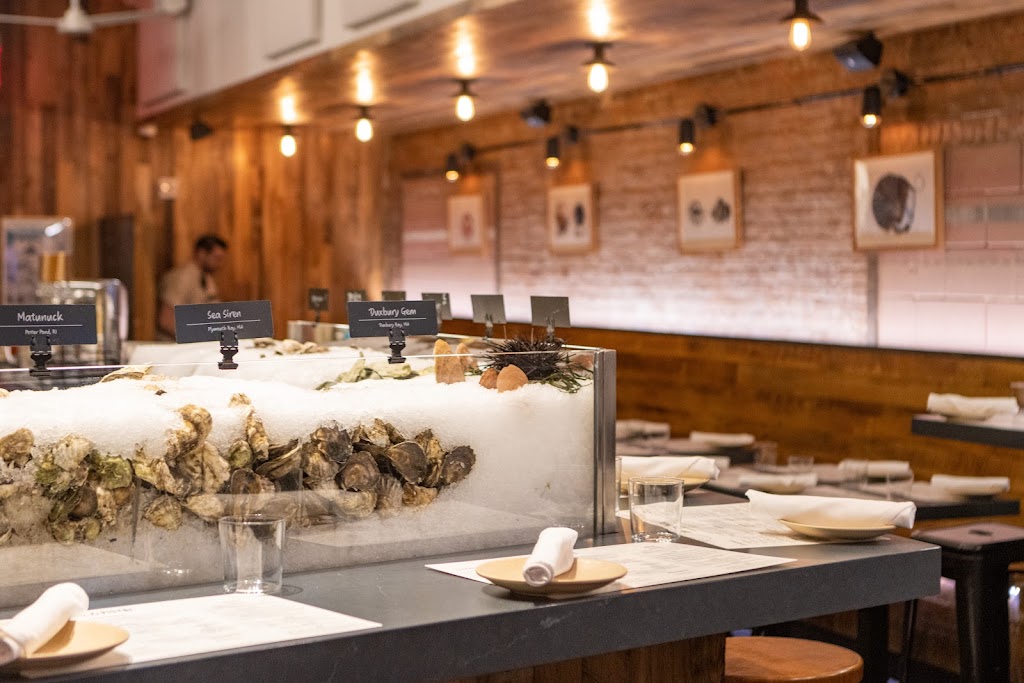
(897, 201)
(709, 211)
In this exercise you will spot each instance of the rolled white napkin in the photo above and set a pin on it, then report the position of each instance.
(968, 485)
(34, 626)
(972, 408)
(878, 468)
(758, 479)
(834, 512)
(668, 466)
(724, 440)
(551, 556)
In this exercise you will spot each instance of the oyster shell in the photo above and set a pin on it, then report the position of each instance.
(198, 423)
(457, 465)
(352, 504)
(70, 452)
(158, 474)
(355, 373)
(55, 480)
(240, 455)
(334, 442)
(256, 435)
(86, 505)
(123, 495)
(274, 452)
(290, 347)
(389, 495)
(190, 467)
(433, 478)
(68, 531)
(64, 504)
(408, 460)
(206, 506)
(106, 505)
(111, 471)
(284, 470)
(247, 482)
(316, 465)
(216, 470)
(394, 436)
(16, 447)
(378, 433)
(360, 473)
(6, 530)
(128, 372)
(239, 400)
(4, 393)
(418, 496)
(164, 512)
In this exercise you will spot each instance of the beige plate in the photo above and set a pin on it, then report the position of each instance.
(974, 491)
(76, 641)
(838, 533)
(585, 575)
(779, 488)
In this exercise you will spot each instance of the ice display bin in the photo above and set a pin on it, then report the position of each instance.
(115, 476)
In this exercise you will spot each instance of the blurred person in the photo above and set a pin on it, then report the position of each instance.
(191, 283)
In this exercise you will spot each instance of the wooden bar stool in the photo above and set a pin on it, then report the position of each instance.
(978, 558)
(766, 659)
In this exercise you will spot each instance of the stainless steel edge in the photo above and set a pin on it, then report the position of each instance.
(604, 442)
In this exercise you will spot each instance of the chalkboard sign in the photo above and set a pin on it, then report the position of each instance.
(393, 295)
(318, 299)
(355, 295)
(550, 310)
(207, 322)
(71, 324)
(444, 304)
(378, 318)
(488, 306)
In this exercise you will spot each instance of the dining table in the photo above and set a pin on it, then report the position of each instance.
(435, 626)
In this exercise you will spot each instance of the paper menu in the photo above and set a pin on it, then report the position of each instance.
(649, 564)
(177, 628)
(734, 527)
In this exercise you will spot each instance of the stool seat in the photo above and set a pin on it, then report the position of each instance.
(765, 659)
(977, 557)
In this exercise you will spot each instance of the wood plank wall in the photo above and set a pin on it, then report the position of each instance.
(67, 141)
(832, 402)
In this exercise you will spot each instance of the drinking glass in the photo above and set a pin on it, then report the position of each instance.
(765, 455)
(251, 548)
(655, 508)
(854, 473)
(801, 463)
(898, 485)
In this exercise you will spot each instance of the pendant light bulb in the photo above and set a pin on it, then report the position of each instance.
(464, 108)
(871, 107)
(364, 126)
(451, 172)
(870, 120)
(288, 144)
(800, 25)
(686, 137)
(597, 69)
(552, 152)
(800, 34)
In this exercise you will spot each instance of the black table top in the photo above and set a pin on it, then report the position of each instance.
(1004, 431)
(439, 626)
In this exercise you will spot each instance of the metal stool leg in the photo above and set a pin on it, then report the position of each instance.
(983, 623)
(907, 653)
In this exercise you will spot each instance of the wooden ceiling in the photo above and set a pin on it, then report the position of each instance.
(520, 50)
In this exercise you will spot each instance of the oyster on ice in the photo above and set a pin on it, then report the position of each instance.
(408, 460)
(198, 423)
(418, 496)
(164, 512)
(240, 455)
(457, 465)
(360, 473)
(16, 447)
(216, 470)
(389, 495)
(111, 471)
(158, 474)
(206, 506)
(128, 372)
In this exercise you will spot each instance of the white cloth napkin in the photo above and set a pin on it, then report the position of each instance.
(725, 440)
(972, 408)
(551, 556)
(32, 627)
(631, 429)
(835, 512)
(877, 468)
(668, 466)
(967, 485)
(758, 479)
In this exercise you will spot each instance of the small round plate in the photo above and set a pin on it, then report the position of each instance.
(585, 575)
(78, 640)
(838, 533)
(973, 490)
(780, 488)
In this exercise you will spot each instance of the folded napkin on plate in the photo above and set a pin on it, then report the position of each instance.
(632, 429)
(835, 512)
(973, 408)
(954, 484)
(757, 479)
(551, 556)
(34, 626)
(668, 466)
(878, 468)
(724, 440)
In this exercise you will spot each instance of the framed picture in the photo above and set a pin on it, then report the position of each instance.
(35, 249)
(897, 201)
(466, 224)
(709, 211)
(571, 221)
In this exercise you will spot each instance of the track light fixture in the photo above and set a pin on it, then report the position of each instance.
(364, 125)
(597, 68)
(686, 137)
(288, 144)
(871, 107)
(451, 168)
(464, 106)
(800, 25)
(553, 152)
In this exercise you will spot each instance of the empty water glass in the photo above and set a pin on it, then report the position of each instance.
(251, 547)
(898, 485)
(655, 508)
(801, 463)
(766, 454)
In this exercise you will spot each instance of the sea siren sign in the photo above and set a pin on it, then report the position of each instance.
(208, 322)
(71, 324)
(379, 318)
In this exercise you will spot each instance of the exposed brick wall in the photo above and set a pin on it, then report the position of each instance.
(796, 275)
